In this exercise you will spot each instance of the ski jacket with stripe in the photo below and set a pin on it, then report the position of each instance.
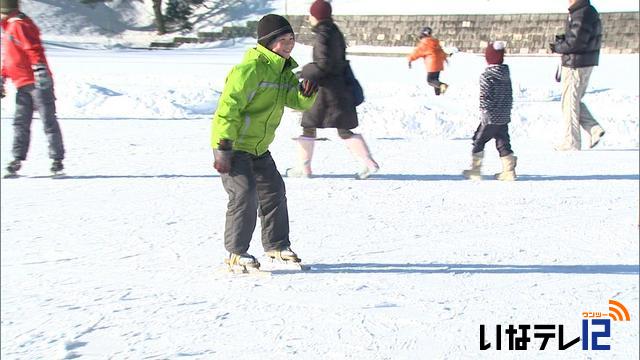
(429, 48)
(21, 48)
(253, 100)
(496, 95)
(582, 38)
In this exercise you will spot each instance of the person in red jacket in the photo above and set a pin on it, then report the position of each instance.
(434, 58)
(24, 62)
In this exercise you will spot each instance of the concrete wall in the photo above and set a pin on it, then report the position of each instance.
(524, 33)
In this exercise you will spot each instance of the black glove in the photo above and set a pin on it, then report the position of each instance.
(552, 46)
(2, 93)
(308, 87)
(409, 64)
(222, 156)
(42, 77)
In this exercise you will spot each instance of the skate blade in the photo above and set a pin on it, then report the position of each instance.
(274, 265)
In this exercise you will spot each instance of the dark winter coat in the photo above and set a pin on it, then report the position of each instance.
(580, 46)
(334, 106)
(496, 95)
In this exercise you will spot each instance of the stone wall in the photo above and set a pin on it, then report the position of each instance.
(524, 33)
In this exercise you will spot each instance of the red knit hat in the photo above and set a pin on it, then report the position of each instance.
(494, 52)
(320, 10)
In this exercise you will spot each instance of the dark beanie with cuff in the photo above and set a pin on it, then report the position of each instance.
(270, 27)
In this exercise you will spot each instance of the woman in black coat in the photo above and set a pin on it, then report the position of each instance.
(335, 105)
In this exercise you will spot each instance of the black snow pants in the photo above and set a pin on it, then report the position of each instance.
(500, 133)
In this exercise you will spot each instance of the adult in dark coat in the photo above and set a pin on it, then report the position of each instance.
(580, 50)
(335, 104)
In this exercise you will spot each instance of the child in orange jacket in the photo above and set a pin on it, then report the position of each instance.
(434, 58)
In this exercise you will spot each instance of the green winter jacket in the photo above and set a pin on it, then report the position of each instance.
(253, 100)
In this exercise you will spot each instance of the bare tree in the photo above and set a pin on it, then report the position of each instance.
(157, 12)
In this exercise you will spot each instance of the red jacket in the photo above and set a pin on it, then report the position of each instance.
(21, 48)
(429, 49)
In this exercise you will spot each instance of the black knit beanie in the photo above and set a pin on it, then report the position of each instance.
(270, 27)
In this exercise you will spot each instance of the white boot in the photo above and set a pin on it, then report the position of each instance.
(305, 153)
(360, 150)
(476, 165)
(508, 168)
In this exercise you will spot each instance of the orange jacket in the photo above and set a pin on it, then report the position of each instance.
(429, 49)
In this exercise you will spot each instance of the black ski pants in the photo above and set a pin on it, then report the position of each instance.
(500, 133)
(433, 79)
(255, 187)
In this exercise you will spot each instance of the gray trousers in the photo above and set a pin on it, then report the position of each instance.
(574, 112)
(28, 98)
(255, 187)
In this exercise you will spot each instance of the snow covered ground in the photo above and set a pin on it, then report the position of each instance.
(122, 258)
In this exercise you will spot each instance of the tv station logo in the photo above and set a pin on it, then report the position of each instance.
(596, 329)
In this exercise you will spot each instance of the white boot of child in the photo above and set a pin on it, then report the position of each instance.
(476, 165)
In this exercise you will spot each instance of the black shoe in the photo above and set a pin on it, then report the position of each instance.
(14, 166)
(57, 166)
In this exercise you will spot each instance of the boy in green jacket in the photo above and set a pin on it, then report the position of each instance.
(249, 111)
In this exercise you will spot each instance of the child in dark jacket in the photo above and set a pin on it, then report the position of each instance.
(496, 101)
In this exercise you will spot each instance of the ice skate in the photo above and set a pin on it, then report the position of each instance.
(12, 169)
(285, 254)
(284, 260)
(242, 263)
(56, 168)
(443, 88)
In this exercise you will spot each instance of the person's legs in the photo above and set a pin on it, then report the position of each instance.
(433, 79)
(240, 185)
(358, 147)
(481, 136)
(44, 100)
(272, 201)
(509, 160)
(572, 91)
(22, 122)
(587, 121)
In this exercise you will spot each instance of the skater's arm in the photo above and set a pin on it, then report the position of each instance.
(241, 85)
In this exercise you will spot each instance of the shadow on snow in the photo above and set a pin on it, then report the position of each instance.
(409, 268)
